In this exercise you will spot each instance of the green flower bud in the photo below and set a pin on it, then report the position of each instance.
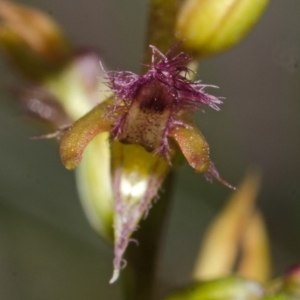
(221, 289)
(291, 282)
(32, 40)
(280, 296)
(236, 234)
(211, 26)
(94, 186)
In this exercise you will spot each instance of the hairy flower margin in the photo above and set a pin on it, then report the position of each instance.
(152, 110)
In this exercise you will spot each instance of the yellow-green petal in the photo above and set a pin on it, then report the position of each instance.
(193, 146)
(81, 133)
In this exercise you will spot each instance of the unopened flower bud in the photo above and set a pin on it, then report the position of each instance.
(292, 281)
(222, 241)
(94, 186)
(227, 288)
(280, 296)
(31, 39)
(211, 26)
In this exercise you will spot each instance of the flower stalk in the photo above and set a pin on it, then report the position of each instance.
(160, 28)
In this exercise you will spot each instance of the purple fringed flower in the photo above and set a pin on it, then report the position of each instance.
(153, 112)
(147, 107)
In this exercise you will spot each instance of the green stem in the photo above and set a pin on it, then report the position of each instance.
(161, 24)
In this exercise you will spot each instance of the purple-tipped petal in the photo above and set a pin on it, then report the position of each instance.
(137, 177)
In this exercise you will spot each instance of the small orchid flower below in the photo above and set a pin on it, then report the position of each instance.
(152, 110)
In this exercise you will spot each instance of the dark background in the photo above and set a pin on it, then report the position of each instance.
(47, 249)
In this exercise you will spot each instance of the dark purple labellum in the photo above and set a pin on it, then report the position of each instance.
(147, 119)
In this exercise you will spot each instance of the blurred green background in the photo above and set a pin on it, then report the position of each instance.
(47, 248)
